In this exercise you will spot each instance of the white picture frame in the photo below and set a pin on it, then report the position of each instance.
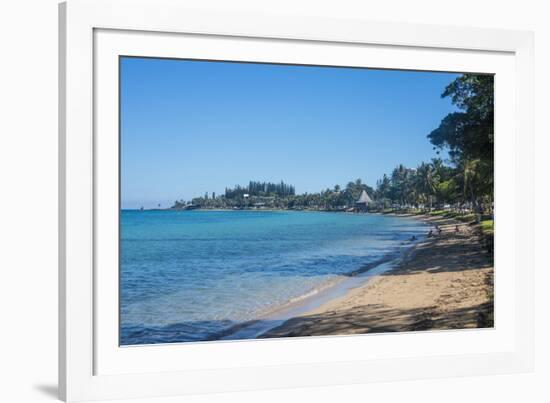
(94, 33)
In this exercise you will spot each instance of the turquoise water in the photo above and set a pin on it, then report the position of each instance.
(194, 275)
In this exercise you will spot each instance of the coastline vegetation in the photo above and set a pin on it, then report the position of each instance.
(459, 187)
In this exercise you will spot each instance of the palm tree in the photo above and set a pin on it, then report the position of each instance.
(383, 189)
(426, 181)
(477, 181)
(398, 180)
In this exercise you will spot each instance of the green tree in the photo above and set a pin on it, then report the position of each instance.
(426, 181)
(468, 133)
(383, 191)
(447, 191)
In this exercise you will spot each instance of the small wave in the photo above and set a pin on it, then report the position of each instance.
(275, 316)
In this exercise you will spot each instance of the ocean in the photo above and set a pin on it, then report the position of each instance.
(199, 275)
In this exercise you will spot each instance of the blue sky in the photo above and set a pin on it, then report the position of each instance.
(190, 127)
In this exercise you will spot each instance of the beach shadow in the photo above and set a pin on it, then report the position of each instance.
(378, 319)
(448, 252)
(48, 390)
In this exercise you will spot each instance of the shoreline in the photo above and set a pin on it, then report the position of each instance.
(443, 282)
(333, 288)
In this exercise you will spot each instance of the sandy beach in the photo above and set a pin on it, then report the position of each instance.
(444, 282)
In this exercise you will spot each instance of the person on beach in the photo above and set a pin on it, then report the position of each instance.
(457, 229)
(430, 234)
(439, 230)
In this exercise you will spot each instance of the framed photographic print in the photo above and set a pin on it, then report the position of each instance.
(255, 201)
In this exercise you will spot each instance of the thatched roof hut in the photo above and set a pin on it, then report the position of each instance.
(364, 198)
(363, 201)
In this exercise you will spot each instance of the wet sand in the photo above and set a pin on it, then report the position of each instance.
(444, 282)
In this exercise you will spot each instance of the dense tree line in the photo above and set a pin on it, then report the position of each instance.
(281, 196)
(261, 189)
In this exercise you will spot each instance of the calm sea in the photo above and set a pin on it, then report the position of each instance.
(193, 275)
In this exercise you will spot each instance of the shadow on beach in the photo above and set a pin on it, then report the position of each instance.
(448, 252)
(379, 319)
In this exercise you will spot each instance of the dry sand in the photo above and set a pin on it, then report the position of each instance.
(445, 282)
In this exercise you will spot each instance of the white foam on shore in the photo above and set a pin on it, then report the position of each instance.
(333, 289)
(337, 288)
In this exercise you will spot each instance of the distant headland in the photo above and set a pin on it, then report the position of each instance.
(356, 196)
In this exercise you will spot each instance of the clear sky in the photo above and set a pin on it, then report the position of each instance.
(190, 127)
